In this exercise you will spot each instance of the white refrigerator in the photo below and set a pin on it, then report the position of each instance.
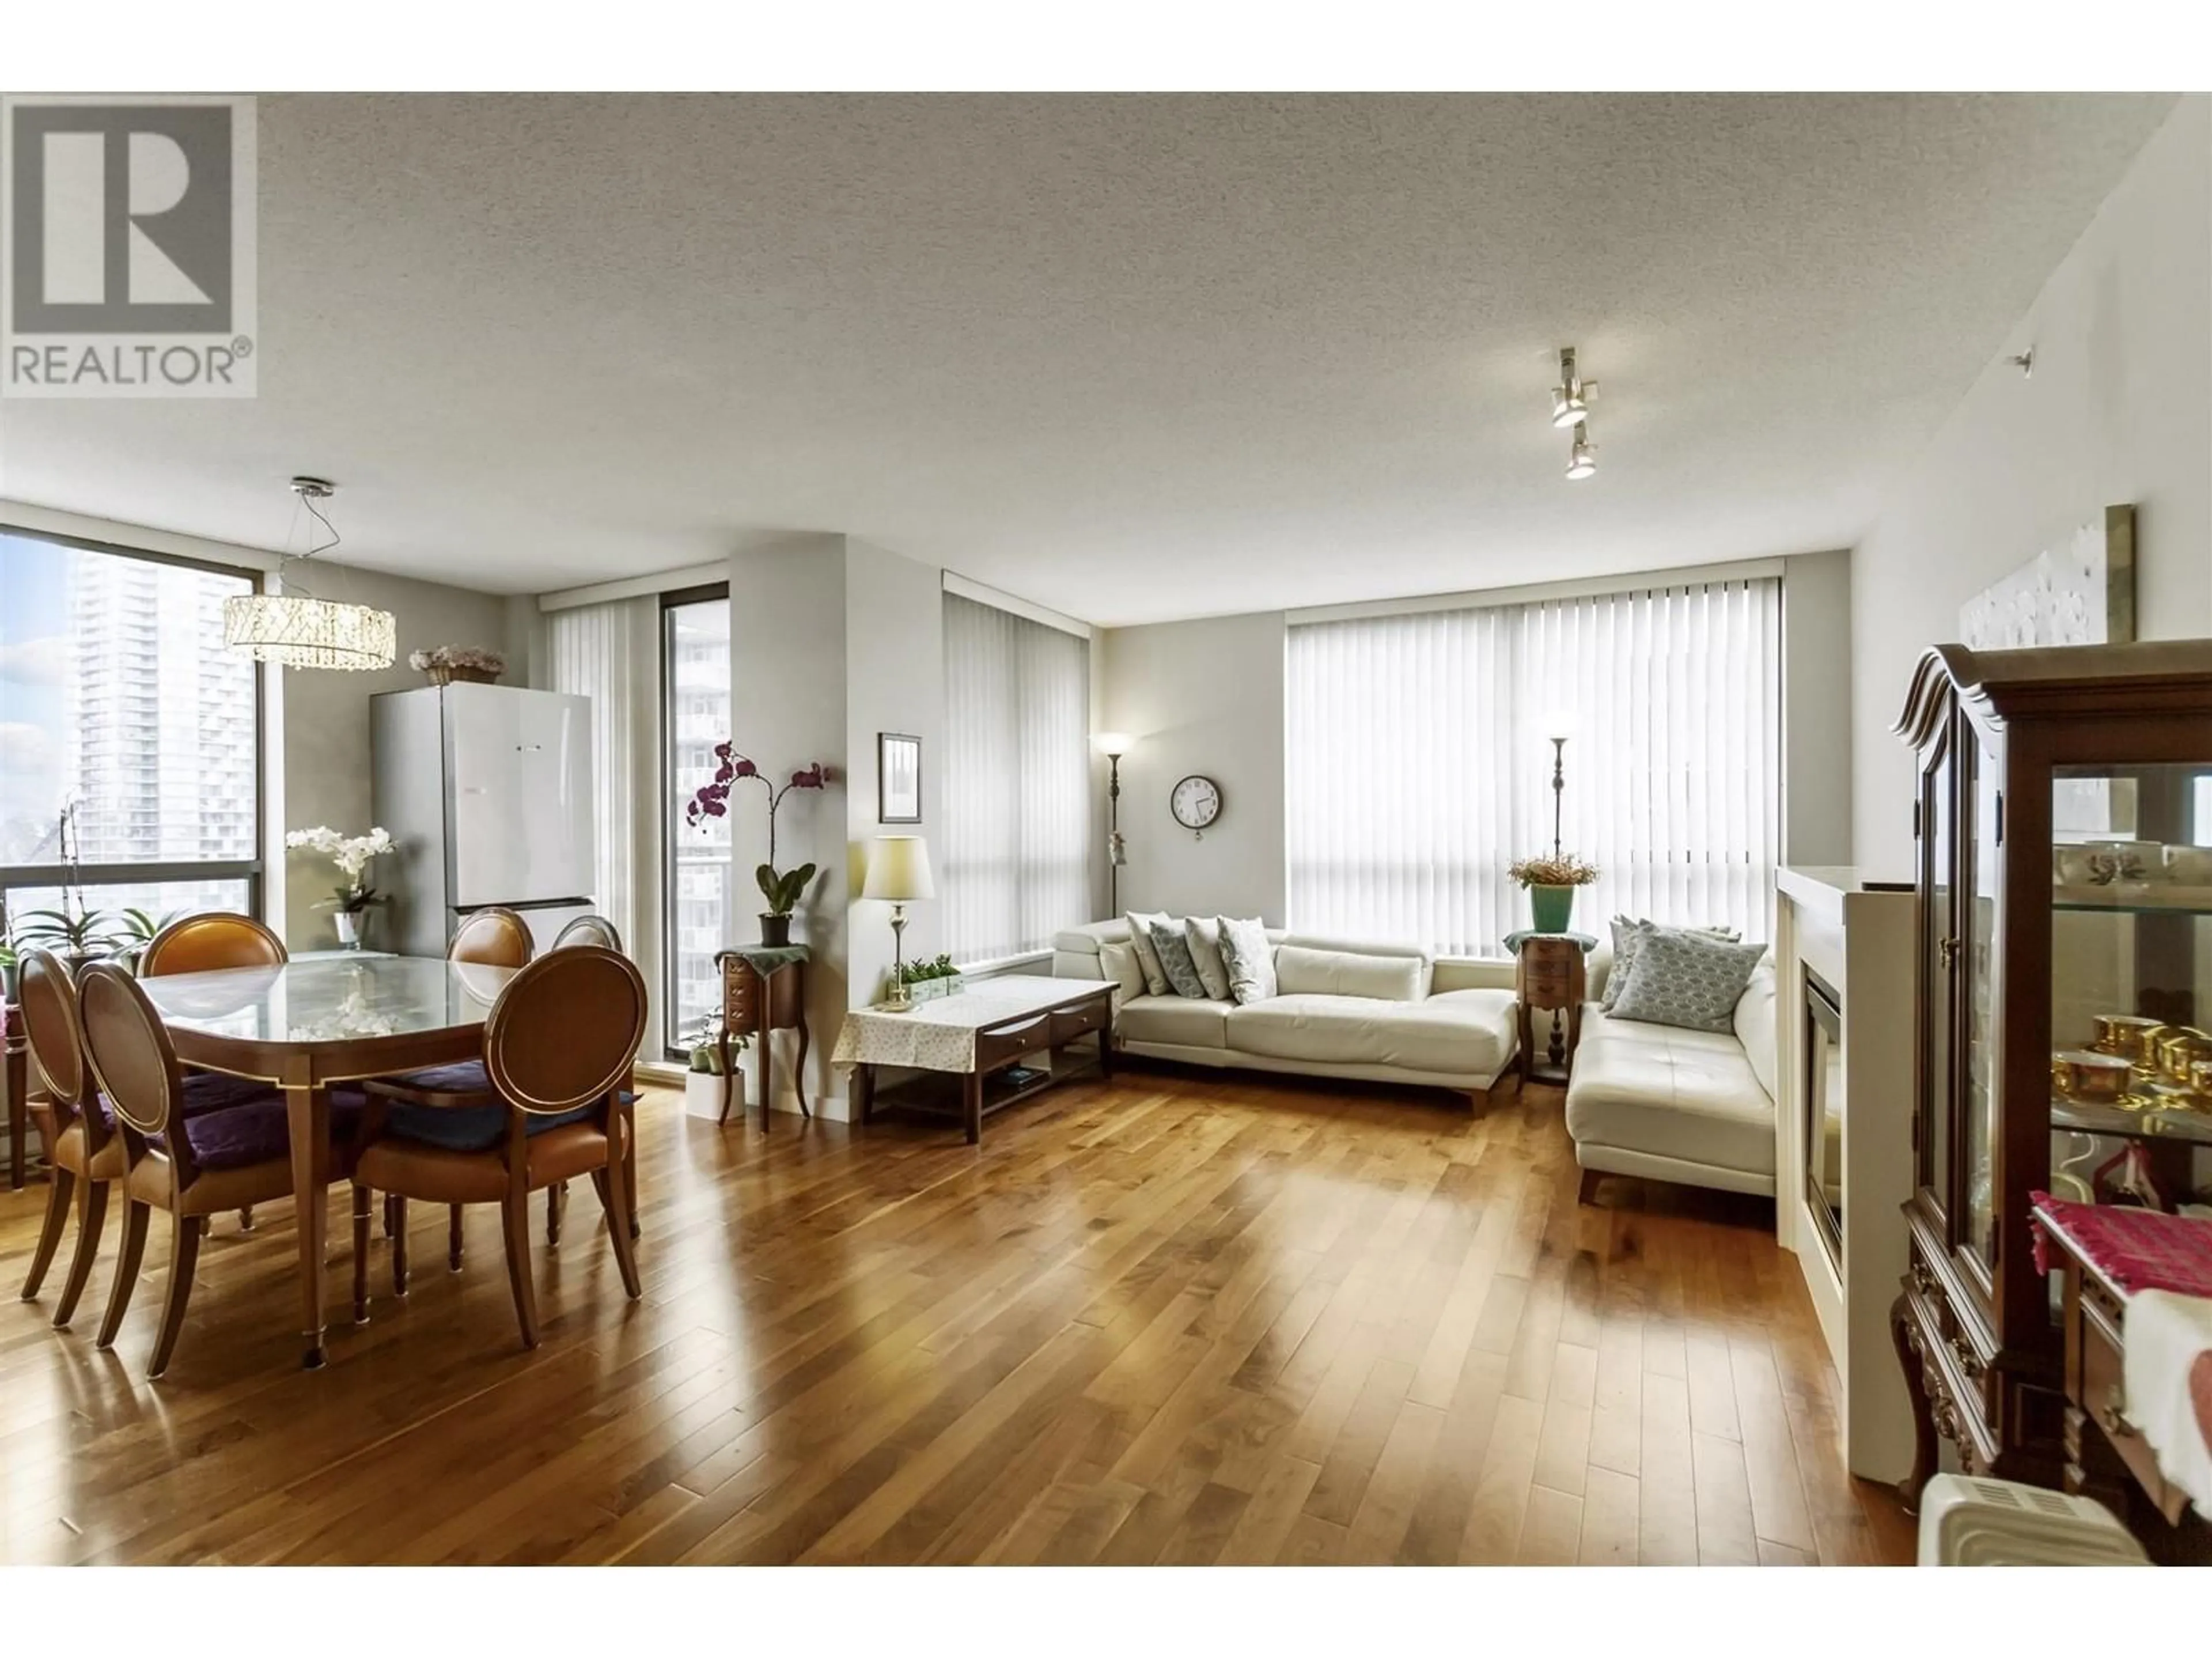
(487, 789)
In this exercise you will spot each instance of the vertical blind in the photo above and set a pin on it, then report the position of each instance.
(1419, 768)
(590, 648)
(1017, 819)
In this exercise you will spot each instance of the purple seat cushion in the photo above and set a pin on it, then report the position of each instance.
(210, 1091)
(468, 1128)
(463, 1077)
(255, 1131)
(252, 1128)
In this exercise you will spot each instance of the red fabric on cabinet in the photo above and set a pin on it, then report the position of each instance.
(2136, 1249)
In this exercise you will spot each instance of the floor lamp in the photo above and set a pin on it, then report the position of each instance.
(1113, 745)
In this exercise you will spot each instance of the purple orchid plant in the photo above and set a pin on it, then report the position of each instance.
(782, 889)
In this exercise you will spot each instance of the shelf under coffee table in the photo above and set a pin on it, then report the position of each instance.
(963, 1046)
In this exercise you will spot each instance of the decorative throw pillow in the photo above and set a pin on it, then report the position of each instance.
(1688, 980)
(1119, 962)
(1173, 952)
(1629, 935)
(1249, 959)
(1148, 959)
(1203, 935)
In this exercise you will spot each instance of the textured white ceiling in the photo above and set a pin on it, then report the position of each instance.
(1133, 357)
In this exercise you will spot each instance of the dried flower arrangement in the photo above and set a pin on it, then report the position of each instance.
(1566, 871)
(443, 665)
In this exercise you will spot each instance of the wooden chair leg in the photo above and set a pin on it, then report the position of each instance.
(629, 1176)
(184, 1258)
(207, 1225)
(91, 1216)
(395, 1222)
(360, 1233)
(553, 1195)
(1587, 1193)
(245, 1219)
(136, 1217)
(62, 1183)
(453, 1239)
(514, 1220)
(614, 1193)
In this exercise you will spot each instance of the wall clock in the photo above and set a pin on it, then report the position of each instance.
(1196, 802)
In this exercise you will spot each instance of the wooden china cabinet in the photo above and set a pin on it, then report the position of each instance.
(2064, 831)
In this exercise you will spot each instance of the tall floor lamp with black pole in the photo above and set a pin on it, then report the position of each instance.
(1113, 745)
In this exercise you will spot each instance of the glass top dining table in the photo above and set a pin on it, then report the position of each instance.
(308, 1025)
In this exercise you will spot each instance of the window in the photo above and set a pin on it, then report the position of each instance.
(1419, 767)
(121, 711)
(695, 682)
(1016, 790)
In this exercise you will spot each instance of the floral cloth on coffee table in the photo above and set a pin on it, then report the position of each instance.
(941, 1036)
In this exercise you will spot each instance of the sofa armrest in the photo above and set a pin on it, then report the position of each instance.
(1470, 974)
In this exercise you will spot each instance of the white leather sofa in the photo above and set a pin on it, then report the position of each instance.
(1382, 1013)
(1667, 1104)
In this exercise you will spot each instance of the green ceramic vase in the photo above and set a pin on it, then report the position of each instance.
(1552, 907)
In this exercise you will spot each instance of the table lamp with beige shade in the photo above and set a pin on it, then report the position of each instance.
(898, 873)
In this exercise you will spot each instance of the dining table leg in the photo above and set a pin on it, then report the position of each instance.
(308, 1113)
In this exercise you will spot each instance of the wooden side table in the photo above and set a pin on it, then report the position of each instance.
(763, 990)
(1550, 974)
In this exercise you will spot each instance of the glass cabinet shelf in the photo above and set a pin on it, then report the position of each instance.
(2135, 900)
(2152, 1123)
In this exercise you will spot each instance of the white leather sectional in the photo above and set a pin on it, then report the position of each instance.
(1694, 1107)
(1650, 1100)
(1382, 1013)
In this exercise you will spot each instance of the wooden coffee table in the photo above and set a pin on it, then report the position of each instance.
(975, 1035)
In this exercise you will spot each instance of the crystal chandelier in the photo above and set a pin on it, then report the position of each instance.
(301, 631)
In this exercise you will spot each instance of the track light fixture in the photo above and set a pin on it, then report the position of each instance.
(1570, 397)
(1581, 459)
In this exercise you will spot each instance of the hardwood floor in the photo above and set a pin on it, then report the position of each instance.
(1160, 1319)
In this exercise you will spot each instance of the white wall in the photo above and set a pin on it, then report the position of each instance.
(787, 708)
(895, 681)
(1199, 696)
(2119, 409)
(1816, 709)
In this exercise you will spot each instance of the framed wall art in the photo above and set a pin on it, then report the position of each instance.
(899, 778)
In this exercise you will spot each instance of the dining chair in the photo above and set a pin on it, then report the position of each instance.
(188, 1164)
(590, 930)
(559, 1045)
(201, 944)
(494, 935)
(500, 937)
(82, 1152)
(77, 1126)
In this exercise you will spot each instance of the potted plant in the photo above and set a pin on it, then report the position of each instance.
(75, 933)
(781, 889)
(134, 930)
(703, 1075)
(78, 938)
(1551, 883)
(351, 853)
(926, 981)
